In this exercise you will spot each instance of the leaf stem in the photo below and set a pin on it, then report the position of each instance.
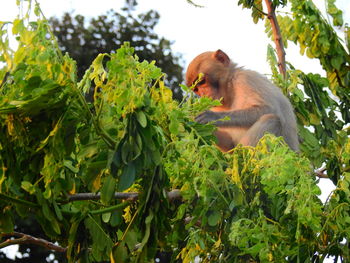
(18, 201)
(110, 209)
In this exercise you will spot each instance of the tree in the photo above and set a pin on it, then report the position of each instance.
(131, 173)
(106, 33)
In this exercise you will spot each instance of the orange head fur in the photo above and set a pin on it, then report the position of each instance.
(210, 73)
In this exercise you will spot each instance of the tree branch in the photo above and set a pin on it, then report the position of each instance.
(320, 173)
(271, 15)
(28, 239)
(92, 196)
(132, 196)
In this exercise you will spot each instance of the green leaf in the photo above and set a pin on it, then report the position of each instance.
(6, 224)
(156, 157)
(108, 189)
(27, 186)
(55, 226)
(18, 26)
(120, 253)
(73, 231)
(47, 193)
(347, 79)
(37, 9)
(131, 239)
(181, 212)
(102, 243)
(20, 55)
(87, 151)
(174, 126)
(57, 211)
(106, 217)
(337, 62)
(116, 218)
(142, 119)
(68, 164)
(131, 148)
(214, 218)
(128, 177)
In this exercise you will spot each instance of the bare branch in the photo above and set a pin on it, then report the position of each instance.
(28, 239)
(92, 196)
(320, 173)
(277, 37)
(132, 196)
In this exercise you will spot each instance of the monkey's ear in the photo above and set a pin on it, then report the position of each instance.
(221, 56)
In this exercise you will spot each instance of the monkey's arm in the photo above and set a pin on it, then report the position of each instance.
(241, 118)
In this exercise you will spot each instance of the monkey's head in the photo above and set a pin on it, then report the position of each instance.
(209, 72)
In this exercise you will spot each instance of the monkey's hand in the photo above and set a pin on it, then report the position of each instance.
(209, 116)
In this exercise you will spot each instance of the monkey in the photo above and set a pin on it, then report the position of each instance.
(253, 105)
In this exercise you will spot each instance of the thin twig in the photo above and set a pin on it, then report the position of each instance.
(28, 239)
(320, 173)
(97, 196)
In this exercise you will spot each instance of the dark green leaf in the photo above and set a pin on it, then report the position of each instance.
(128, 177)
(214, 218)
(108, 189)
(6, 224)
(116, 218)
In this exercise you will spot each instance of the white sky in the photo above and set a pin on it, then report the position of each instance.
(221, 24)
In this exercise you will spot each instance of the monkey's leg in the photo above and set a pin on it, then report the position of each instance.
(224, 138)
(267, 123)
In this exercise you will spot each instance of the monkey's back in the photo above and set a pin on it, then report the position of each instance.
(272, 97)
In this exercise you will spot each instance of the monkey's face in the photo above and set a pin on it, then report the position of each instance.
(203, 88)
(207, 72)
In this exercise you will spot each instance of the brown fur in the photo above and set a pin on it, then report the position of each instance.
(255, 106)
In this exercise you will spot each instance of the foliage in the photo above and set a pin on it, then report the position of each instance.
(85, 40)
(252, 205)
(321, 103)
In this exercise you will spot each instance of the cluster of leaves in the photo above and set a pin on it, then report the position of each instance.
(328, 101)
(253, 208)
(106, 33)
(54, 144)
(321, 103)
(252, 205)
(257, 7)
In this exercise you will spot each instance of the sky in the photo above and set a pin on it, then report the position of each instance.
(221, 24)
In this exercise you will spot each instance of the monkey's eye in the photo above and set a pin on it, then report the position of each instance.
(201, 82)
